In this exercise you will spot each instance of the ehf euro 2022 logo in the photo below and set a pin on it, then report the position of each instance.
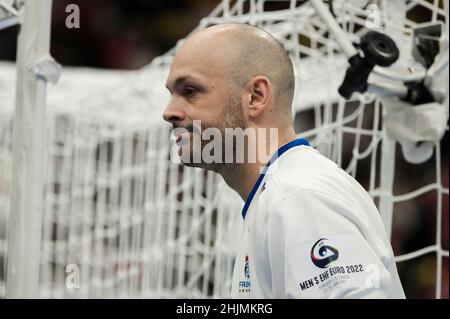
(322, 254)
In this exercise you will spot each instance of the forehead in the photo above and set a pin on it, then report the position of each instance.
(203, 57)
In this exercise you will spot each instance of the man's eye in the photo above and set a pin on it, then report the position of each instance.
(189, 91)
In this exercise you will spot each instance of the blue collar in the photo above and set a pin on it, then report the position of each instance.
(281, 150)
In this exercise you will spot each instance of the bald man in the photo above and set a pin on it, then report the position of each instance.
(310, 230)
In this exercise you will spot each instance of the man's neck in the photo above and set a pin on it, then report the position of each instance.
(242, 176)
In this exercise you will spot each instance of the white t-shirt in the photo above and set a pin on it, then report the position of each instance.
(312, 231)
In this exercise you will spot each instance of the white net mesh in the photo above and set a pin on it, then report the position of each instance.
(137, 225)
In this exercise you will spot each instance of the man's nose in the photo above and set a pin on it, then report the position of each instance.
(173, 114)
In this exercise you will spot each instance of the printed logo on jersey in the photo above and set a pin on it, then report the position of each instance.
(322, 254)
(246, 271)
(244, 285)
(330, 269)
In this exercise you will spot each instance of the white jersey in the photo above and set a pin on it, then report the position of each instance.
(312, 231)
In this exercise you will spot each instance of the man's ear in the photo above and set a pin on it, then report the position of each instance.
(259, 93)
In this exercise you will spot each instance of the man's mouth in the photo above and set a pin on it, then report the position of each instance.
(181, 136)
(179, 132)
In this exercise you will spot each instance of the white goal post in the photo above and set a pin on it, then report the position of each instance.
(117, 219)
(28, 151)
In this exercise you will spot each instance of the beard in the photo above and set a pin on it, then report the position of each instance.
(232, 117)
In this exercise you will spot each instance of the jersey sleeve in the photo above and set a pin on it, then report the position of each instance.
(317, 249)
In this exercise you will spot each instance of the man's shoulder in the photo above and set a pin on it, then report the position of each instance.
(307, 178)
(303, 169)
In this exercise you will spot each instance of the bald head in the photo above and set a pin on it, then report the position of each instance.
(243, 52)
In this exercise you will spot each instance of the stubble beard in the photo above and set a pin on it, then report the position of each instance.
(232, 117)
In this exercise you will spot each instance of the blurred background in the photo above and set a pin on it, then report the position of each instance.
(128, 34)
(118, 34)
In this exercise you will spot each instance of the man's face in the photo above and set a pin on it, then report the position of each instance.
(201, 90)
